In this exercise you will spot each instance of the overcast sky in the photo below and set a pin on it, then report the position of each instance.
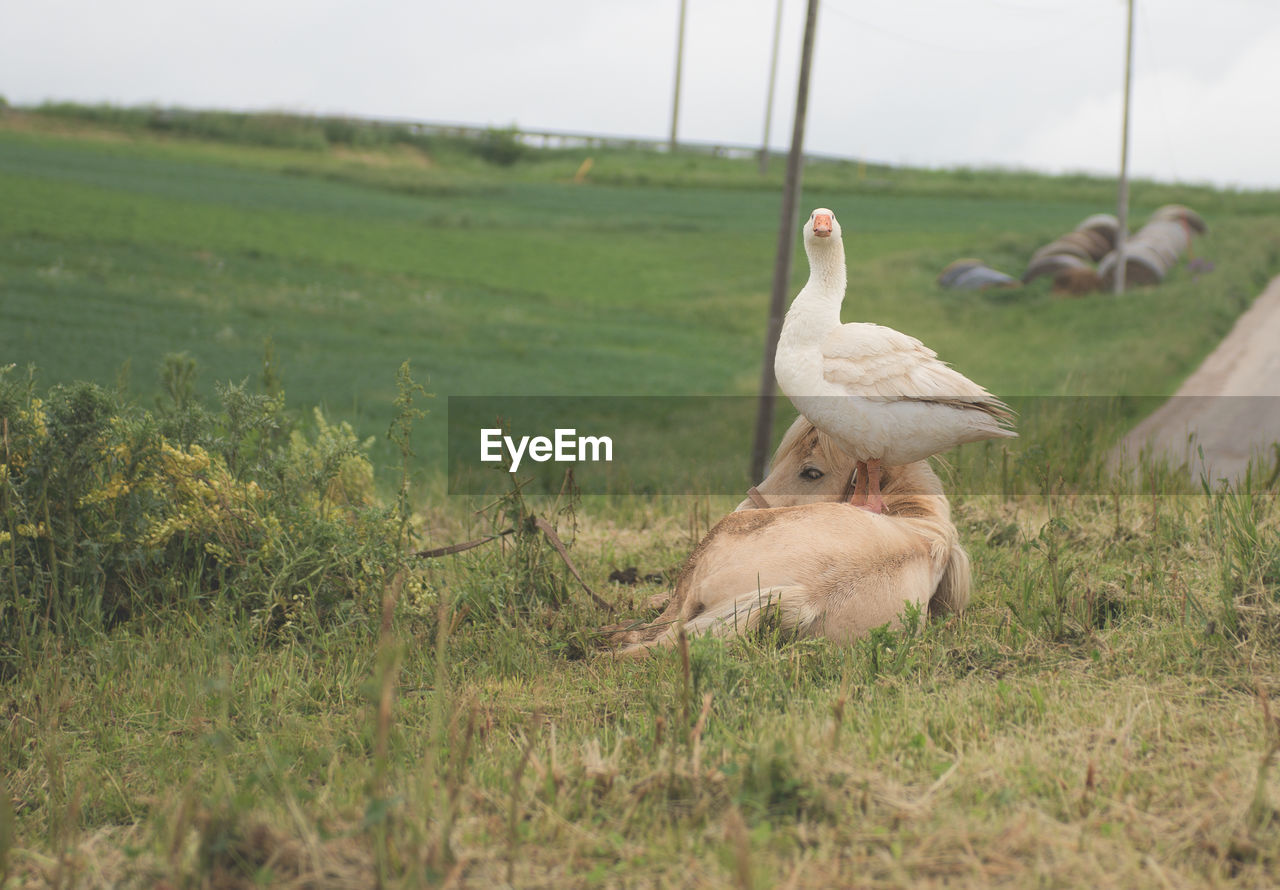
(1020, 83)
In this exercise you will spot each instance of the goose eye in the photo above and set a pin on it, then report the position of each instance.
(812, 474)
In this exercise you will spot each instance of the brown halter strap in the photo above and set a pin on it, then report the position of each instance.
(850, 486)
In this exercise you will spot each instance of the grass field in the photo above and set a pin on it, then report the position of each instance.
(120, 250)
(1101, 715)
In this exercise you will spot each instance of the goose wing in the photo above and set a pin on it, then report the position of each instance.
(874, 361)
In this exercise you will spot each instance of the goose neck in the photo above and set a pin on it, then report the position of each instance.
(826, 271)
(823, 293)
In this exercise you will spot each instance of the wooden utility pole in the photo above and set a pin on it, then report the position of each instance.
(789, 221)
(773, 79)
(675, 102)
(1122, 202)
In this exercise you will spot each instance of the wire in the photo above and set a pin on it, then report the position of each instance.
(1002, 49)
(1144, 29)
(1072, 8)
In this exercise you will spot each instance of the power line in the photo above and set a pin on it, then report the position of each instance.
(1169, 143)
(1057, 39)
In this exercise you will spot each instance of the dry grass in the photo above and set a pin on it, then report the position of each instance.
(393, 156)
(25, 122)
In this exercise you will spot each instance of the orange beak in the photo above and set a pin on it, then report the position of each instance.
(822, 225)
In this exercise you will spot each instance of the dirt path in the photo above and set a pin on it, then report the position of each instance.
(1230, 405)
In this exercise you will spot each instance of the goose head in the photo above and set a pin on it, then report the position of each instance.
(821, 226)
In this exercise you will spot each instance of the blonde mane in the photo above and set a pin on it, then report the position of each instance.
(802, 431)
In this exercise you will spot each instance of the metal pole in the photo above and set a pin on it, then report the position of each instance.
(1122, 209)
(773, 79)
(675, 102)
(789, 222)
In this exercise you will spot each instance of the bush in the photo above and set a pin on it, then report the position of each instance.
(109, 512)
(502, 147)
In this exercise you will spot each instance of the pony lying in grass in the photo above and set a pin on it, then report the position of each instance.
(795, 552)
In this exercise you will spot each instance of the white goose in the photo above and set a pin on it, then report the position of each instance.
(885, 397)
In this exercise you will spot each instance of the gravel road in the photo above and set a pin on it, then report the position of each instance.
(1230, 406)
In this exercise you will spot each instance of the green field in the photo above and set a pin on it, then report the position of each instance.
(291, 701)
(119, 251)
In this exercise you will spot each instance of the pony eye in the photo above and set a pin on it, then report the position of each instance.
(811, 473)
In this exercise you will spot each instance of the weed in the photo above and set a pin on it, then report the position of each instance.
(105, 518)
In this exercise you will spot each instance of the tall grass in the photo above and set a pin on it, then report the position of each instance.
(113, 513)
(1043, 721)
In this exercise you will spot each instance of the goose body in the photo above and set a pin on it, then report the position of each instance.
(884, 396)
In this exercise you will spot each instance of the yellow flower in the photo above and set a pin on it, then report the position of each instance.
(116, 486)
(36, 416)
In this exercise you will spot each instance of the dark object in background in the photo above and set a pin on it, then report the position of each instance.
(1149, 253)
(629, 576)
(1076, 282)
(970, 274)
(1080, 248)
(1155, 248)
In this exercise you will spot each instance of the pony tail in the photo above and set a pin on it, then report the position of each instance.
(952, 593)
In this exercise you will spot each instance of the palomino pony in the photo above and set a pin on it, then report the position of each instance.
(797, 551)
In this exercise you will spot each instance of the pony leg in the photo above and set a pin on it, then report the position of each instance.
(739, 616)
